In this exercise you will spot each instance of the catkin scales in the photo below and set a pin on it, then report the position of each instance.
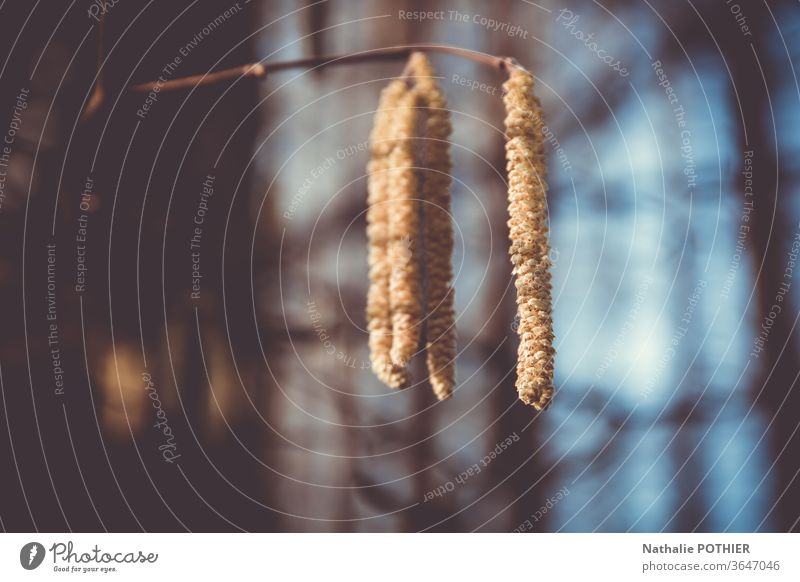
(410, 302)
(527, 223)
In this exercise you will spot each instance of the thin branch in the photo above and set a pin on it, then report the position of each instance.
(98, 94)
(260, 70)
(252, 70)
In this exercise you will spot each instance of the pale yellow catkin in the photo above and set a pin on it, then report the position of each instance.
(435, 182)
(405, 280)
(527, 209)
(379, 315)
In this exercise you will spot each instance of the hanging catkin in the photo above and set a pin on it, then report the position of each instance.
(527, 224)
(405, 280)
(379, 315)
(435, 178)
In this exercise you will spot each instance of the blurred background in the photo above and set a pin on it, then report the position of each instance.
(183, 274)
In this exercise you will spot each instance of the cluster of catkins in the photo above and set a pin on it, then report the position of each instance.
(410, 234)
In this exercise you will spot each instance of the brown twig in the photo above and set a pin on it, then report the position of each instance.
(252, 70)
(260, 70)
(98, 94)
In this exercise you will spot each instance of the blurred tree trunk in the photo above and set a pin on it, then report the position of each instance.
(770, 237)
(146, 173)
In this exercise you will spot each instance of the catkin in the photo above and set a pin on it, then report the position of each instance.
(436, 166)
(527, 209)
(379, 318)
(410, 233)
(405, 280)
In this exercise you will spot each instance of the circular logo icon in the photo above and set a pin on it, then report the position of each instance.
(31, 555)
